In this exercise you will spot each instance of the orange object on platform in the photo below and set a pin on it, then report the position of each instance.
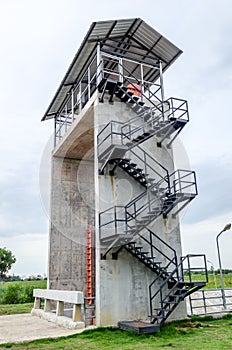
(135, 89)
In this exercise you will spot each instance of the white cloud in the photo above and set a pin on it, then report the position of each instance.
(200, 238)
(31, 252)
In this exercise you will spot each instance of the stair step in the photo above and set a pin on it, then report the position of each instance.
(126, 97)
(170, 302)
(158, 317)
(134, 99)
(120, 92)
(139, 138)
(143, 253)
(138, 248)
(136, 107)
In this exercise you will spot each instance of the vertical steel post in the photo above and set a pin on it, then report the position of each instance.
(99, 65)
(221, 277)
(89, 83)
(55, 131)
(72, 105)
(120, 70)
(161, 82)
(162, 88)
(142, 84)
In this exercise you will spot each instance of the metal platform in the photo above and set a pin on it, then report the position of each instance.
(138, 326)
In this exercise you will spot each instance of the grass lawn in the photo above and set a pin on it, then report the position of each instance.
(212, 280)
(197, 333)
(227, 281)
(40, 284)
(10, 309)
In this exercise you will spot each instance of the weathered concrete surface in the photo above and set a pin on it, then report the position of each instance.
(72, 213)
(122, 285)
(25, 327)
(78, 194)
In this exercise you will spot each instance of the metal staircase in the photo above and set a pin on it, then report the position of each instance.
(178, 278)
(119, 224)
(154, 116)
(119, 146)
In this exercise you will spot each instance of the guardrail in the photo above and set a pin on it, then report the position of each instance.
(209, 301)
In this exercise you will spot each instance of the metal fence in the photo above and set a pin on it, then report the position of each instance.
(209, 301)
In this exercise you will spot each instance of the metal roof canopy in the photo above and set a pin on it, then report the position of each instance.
(132, 38)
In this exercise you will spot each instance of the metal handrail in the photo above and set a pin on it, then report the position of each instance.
(176, 185)
(122, 77)
(179, 273)
(172, 260)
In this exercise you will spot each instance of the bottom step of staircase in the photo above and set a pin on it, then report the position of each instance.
(139, 326)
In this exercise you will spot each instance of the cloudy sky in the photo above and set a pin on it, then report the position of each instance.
(38, 40)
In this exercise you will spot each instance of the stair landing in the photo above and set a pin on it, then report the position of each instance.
(139, 326)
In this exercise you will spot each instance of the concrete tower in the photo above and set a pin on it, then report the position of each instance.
(115, 194)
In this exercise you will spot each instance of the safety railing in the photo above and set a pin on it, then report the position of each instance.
(209, 301)
(173, 109)
(117, 68)
(183, 182)
(79, 95)
(112, 222)
(155, 171)
(110, 135)
(159, 249)
(120, 220)
(183, 272)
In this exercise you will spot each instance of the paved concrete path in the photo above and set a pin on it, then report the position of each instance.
(25, 327)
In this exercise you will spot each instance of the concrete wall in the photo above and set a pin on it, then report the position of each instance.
(72, 212)
(122, 285)
(78, 194)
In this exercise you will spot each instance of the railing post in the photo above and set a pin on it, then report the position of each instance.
(115, 220)
(88, 83)
(151, 244)
(99, 65)
(72, 105)
(55, 130)
(120, 70)
(204, 301)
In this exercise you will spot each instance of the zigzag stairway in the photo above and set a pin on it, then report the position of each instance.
(120, 146)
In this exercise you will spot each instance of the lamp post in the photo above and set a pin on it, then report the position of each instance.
(227, 227)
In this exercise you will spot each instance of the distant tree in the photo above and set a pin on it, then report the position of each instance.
(7, 259)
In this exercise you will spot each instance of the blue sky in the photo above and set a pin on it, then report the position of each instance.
(38, 41)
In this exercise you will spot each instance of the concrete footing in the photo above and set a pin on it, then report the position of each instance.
(62, 321)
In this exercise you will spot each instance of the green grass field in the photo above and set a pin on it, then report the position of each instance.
(15, 295)
(214, 282)
(35, 283)
(198, 333)
(195, 333)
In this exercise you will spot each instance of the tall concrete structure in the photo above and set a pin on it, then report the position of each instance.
(115, 194)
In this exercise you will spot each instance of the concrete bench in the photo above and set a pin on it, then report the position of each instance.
(60, 297)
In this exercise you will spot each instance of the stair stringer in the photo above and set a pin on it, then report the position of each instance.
(173, 287)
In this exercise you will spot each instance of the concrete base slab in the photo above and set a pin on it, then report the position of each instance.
(62, 321)
(25, 327)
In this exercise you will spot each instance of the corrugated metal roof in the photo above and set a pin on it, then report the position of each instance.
(135, 31)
